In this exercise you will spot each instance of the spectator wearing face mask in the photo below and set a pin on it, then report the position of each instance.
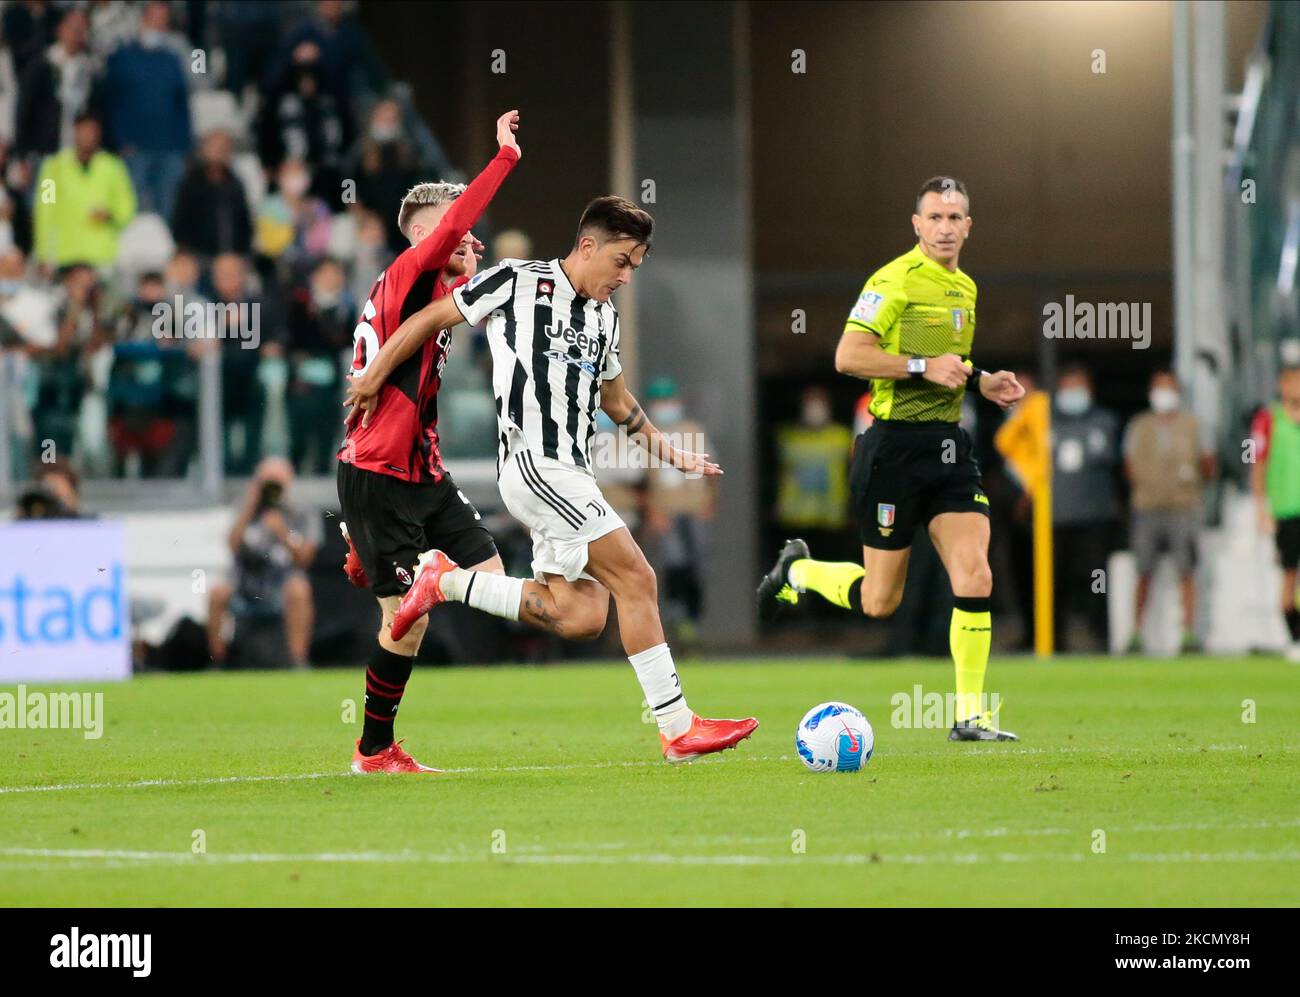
(348, 62)
(303, 119)
(321, 318)
(385, 165)
(813, 473)
(679, 510)
(1085, 503)
(293, 228)
(1166, 467)
(146, 100)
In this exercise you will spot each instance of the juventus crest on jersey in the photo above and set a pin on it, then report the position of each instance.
(551, 349)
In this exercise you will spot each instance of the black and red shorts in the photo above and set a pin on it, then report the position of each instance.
(392, 522)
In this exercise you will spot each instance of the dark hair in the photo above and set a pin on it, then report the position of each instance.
(84, 115)
(1074, 369)
(57, 470)
(616, 218)
(942, 185)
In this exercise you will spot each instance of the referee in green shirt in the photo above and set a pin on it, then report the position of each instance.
(910, 334)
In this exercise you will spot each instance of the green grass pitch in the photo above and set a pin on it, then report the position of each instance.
(555, 793)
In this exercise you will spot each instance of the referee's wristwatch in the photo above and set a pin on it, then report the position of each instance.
(916, 367)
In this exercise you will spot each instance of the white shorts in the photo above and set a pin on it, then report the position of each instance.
(563, 509)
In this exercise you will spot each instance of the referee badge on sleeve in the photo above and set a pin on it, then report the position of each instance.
(868, 304)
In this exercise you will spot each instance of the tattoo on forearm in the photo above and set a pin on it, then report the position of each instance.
(635, 420)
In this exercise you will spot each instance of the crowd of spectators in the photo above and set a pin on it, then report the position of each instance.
(159, 157)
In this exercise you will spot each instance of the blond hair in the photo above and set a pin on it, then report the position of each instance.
(425, 195)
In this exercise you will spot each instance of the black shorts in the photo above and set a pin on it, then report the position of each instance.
(392, 522)
(906, 473)
(1288, 542)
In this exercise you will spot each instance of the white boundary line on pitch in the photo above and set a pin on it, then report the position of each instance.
(87, 858)
(236, 779)
(341, 774)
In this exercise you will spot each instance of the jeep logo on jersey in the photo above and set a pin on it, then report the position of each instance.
(561, 357)
(590, 345)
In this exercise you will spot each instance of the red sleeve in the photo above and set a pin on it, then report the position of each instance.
(1261, 430)
(436, 249)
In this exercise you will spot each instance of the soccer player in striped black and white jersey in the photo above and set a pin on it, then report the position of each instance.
(554, 336)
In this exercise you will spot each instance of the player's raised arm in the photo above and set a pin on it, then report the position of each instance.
(617, 403)
(464, 212)
(363, 389)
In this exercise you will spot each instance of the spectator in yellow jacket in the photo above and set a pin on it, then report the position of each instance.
(82, 201)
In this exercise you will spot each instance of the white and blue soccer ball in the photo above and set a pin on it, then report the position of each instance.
(834, 737)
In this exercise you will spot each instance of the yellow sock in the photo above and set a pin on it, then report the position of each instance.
(832, 580)
(969, 636)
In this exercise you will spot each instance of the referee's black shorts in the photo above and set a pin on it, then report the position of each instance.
(392, 522)
(906, 473)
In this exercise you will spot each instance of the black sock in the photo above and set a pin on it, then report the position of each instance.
(1293, 623)
(855, 595)
(385, 682)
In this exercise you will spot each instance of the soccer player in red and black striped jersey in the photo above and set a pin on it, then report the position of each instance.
(397, 498)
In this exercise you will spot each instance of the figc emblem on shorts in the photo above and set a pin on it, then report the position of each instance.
(885, 514)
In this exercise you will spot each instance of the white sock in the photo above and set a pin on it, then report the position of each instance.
(499, 595)
(663, 691)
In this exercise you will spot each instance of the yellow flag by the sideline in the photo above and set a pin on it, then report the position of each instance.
(1024, 441)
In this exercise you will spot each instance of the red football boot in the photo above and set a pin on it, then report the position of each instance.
(424, 593)
(352, 566)
(706, 737)
(391, 759)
